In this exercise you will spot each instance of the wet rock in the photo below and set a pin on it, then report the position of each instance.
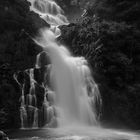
(3, 136)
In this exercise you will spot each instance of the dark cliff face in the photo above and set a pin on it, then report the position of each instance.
(17, 52)
(17, 27)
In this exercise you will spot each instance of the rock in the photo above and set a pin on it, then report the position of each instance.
(3, 136)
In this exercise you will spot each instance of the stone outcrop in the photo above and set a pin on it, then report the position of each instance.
(3, 136)
(18, 52)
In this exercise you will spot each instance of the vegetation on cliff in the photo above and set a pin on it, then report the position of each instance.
(108, 36)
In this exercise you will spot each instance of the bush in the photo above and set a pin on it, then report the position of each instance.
(112, 50)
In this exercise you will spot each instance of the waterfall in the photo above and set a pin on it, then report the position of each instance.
(75, 90)
(70, 94)
(60, 90)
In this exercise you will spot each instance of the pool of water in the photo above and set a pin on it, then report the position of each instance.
(70, 133)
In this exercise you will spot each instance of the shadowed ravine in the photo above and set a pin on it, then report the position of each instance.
(75, 91)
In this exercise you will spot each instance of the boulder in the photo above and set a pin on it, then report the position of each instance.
(3, 136)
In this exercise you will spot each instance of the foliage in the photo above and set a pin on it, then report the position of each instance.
(113, 10)
(73, 8)
(112, 50)
(3, 117)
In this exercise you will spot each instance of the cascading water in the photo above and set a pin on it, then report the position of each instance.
(75, 90)
(49, 11)
(28, 107)
(70, 94)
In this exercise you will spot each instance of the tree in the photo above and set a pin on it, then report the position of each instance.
(120, 11)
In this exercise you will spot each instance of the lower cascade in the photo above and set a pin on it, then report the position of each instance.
(68, 94)
(76, 94)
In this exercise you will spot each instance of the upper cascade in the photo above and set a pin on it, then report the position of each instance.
(49, 11)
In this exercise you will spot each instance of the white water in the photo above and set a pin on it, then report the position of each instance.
(75, 92)
(49, 11)
(28, 107)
